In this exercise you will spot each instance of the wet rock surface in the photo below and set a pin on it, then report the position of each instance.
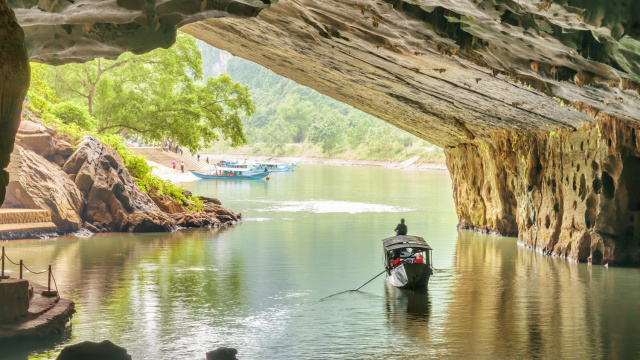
(222, 353)
(89, 350)
(567, 193)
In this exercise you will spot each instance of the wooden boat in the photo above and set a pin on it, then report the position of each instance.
(232, 174)
(276, 167)
(408, 261)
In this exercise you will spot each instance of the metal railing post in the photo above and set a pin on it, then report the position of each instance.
(20, 268)
(49, 282)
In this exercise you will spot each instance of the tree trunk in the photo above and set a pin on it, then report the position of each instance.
(15, 73)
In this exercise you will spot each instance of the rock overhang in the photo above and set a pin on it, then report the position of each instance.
(449, 71)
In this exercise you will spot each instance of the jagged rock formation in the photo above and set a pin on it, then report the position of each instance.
(507, 87)
(113, 200)
(38, 184)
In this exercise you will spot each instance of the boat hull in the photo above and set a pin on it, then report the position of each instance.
(416, 276)
(257, 176)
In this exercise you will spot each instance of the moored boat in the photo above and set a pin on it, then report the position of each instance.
(408, 261)
(276, 167)
(232, 174)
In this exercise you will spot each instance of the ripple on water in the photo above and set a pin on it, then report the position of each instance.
(329, 206)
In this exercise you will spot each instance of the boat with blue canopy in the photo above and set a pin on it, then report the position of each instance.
(232, 174)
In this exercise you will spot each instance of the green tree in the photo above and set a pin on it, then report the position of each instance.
(40, 95)
(328, 131)
(277, 134)
(158, 96)
(71, 113)
(298, 114)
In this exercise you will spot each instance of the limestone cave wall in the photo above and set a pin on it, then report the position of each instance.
(14, 81)
(572, 193)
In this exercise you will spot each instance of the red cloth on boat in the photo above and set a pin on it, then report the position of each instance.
(419, 259)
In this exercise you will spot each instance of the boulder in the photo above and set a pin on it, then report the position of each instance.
(42, 144)
(37, 183)
(166, 203)
(89, 350)
(219, 211)
(222, 353)
(199, 219)
(63, 148)
(114, 201)
(210, 200)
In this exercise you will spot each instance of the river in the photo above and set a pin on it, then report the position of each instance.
(315, 232)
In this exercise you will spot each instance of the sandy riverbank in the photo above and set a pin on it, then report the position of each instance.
(177, 176)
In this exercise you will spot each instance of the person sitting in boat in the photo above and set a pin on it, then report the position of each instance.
(417, 256)
(401, 229)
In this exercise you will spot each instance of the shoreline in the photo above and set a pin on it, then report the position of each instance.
(176, 176)
(405, 165)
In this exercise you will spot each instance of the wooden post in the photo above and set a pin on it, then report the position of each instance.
(49, 282)
(20, 268)
(2, 276)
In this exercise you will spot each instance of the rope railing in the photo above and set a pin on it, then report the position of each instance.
(48, 292)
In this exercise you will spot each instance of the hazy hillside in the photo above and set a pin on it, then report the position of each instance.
(293, 119)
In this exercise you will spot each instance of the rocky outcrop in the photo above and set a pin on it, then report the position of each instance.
(113, 200)
(38, 184)
(14, 81)
(43, 141)
(222, 353)
(566, 193)
(89, 350)
(166, 203)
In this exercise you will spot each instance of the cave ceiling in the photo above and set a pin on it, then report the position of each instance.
(449, 71)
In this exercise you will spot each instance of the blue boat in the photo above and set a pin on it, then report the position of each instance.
(232, 174)
(276, 167)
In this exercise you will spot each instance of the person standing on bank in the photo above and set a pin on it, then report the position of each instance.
(182, 166)
(401, 229)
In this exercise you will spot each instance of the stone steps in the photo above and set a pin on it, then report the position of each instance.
(24, 216)
(25, 223)
(26, 230)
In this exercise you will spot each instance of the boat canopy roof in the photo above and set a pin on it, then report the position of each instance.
(405, 241)
(230, 169)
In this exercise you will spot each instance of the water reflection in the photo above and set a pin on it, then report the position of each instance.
(408, 310)
(509, 301)
(255, 286)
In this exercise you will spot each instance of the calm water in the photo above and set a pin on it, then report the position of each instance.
(315, 232)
